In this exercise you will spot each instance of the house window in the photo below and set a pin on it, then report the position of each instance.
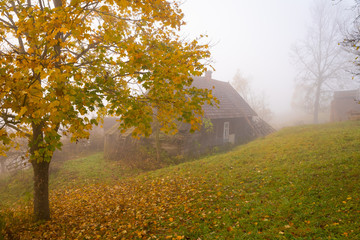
(226, 131)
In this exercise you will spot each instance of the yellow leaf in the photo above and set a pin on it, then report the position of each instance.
(17, 75)
(30, 51)
(63, 30)
(22, 111)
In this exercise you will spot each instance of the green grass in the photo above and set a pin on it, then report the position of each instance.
(90, 169)
(299, 183)
(15, 186)
(76, 172)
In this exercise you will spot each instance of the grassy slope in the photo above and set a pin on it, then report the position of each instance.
(299, 183)
(80, 171)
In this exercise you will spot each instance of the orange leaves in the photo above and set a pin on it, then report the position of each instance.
(127, 210)
(17, 75)
(158, 208)
(174, 237)
(229, 229)
(104, 9)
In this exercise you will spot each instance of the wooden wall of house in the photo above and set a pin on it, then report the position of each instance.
(118, 147)
(341, 109)
(203, 141)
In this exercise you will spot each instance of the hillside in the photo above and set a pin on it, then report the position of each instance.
(299, 183)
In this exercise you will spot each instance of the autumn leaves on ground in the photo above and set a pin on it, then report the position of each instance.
(299, 183)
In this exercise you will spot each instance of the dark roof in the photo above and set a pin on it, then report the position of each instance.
(347, 94)
(232, 105)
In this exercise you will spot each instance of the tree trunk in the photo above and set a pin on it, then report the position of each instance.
(41, 175)
(317, 104)
(157, 140)
(41, 190)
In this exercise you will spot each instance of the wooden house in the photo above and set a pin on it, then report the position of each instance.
(233, 122)
(345, 105)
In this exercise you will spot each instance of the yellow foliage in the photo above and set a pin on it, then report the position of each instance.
(59, 64)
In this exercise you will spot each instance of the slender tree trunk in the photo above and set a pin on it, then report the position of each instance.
(41, 190)
(41, 176)
(157, 140)
(317, 104)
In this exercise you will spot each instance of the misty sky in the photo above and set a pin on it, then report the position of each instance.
(254, 36)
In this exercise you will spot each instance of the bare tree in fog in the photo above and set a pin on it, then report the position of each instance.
(352, 39)
(321, 61)
(257, 100)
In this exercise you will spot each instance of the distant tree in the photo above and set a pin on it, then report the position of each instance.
(62, 60)
(352, 39)
(321, 61)
(257, 100)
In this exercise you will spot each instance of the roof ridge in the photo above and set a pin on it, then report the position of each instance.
(231, 105)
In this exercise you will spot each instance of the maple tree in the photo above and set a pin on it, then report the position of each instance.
(62, 60)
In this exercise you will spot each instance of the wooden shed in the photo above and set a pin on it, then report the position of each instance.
(345, 105)
(233, 122)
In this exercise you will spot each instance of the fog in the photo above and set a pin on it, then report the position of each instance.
(255, 37)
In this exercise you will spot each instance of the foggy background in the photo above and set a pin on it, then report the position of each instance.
(255, 37)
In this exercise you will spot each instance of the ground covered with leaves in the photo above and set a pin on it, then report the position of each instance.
(299, 183)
